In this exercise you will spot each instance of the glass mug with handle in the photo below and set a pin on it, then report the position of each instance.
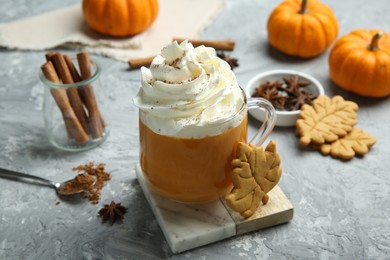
(187, 145)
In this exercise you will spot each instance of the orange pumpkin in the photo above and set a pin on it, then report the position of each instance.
(120, 17)
(360, 62)
(303, 28)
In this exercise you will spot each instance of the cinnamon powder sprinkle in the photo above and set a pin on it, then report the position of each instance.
(79, 183)
(93, 191)
(91, 179)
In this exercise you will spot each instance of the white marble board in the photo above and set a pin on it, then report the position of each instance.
(188, 226)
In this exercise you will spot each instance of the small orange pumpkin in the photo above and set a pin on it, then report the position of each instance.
(360, 62)
(119, 17)
(302, 28)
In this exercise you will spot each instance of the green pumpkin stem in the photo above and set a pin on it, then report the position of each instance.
(303, 7)
(374, 42)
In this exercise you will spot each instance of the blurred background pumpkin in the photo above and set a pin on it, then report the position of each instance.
(120, 17)
(360, 62)
(303, 28)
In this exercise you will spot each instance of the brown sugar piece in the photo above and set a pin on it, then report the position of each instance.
(98, 173)
(356, 142)
(326, 120)
(255, 173)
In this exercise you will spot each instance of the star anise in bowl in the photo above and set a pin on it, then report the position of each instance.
(287, 91)
(112, 212)
(285, 96)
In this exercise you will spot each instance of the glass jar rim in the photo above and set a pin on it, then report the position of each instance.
(88, 81)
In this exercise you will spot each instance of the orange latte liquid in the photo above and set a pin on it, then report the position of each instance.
(190, 170)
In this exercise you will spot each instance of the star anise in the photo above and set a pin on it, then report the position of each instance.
(112, 212)
(287, 96)
(267, 91)
(280, 102)
(303, 97)
(293, 85)
(270, 91)
(233, 62)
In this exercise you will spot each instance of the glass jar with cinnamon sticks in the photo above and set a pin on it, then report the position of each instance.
(73, 102)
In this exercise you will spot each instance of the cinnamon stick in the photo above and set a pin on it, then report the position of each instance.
(74, 98)
(138, 63)
(72, 69)
(223, 45)
(49, 55)
(85, 69)
(86, 92)
(72, 124)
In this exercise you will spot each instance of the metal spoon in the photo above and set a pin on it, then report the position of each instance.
(59, 187)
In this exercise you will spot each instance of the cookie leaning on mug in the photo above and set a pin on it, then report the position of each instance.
(255, 173)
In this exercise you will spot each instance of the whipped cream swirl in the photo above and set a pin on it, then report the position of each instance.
(189, 93)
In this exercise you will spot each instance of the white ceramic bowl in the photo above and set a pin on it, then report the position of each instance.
(284, 118)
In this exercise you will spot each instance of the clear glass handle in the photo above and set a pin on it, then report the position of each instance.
(268, 122)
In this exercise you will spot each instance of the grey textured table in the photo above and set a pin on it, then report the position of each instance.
(342, 209)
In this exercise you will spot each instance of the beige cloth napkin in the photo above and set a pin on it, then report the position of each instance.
(66, 28)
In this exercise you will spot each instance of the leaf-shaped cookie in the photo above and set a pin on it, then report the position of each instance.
(326, 120)
(255, 173)
(355, 142)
